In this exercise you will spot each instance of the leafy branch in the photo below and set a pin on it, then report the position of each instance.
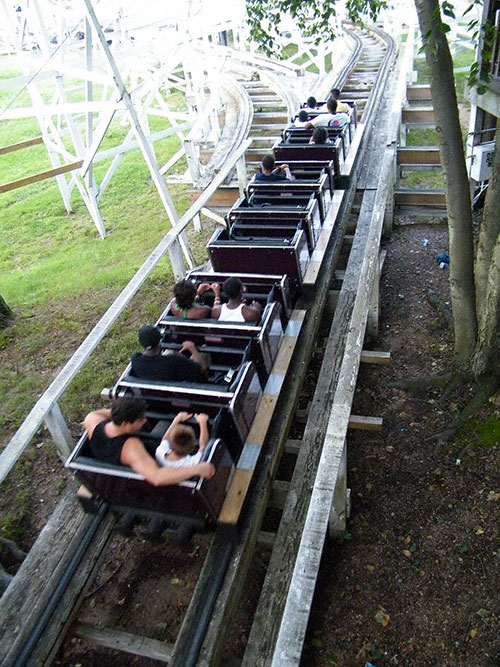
(312, 17)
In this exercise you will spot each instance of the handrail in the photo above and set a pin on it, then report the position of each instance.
(46, 402)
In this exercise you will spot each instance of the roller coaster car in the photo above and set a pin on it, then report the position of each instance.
(287, 153)
(353, 114)
(288, 255)
(261, 339)
(288, 189)
(311, 171)
(261, 288)
(266, 211)
(240, 399)
(198, 499)
(302, 137)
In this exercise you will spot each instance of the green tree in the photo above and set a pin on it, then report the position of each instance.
(474, 281)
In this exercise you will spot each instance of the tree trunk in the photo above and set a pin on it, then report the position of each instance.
(444, 100)
(488, 233)
(485, 362)
(6, 313)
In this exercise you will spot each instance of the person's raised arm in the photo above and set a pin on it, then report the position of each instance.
(216, 307)
(202, 420)
(202, 288)
(94, 418)
(196, 356)
(252, 312)
(179, 417)
(135, 455)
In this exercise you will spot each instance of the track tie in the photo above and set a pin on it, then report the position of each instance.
(124, 641)
(292, 446)
(279, 494)
(376, 357)
(365, 423)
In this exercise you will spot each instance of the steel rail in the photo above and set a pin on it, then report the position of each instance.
(62, 584)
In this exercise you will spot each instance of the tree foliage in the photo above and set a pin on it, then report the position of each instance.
(314, 18)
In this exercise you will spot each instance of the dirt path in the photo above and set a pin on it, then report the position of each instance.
(416, 579)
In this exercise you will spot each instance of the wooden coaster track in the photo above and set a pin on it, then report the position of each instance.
(201, 638)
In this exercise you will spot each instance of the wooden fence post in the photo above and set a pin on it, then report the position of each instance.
(59, 431)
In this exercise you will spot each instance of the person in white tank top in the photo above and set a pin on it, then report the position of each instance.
(235, 310)
(231, 314)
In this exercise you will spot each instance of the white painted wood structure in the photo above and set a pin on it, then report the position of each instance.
(52, 44)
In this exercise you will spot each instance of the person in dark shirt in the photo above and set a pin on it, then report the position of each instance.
(270, 173)
(151, 365)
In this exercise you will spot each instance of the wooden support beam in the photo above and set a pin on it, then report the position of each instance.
(57, 171)
(279, 494)
(418, 155)
(375, 357)
(60, 432)
(418, 115)
(292, 446)
(434, 198)
(265, 540)
(365, 423)
(125, 641)
(418, 92)
(21, 144)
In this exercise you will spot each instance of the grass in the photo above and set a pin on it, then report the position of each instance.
(422, 137)
(59, 277)
(431, 179)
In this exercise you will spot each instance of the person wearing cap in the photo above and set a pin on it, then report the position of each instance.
(236, 308)
(112, 438)
(174, 367)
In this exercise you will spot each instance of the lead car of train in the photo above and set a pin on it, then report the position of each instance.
(274, 242)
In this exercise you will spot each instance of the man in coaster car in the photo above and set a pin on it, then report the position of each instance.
(271, 173)
(112, 439)
(236, 309)
(152, 365)
(330, 119)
